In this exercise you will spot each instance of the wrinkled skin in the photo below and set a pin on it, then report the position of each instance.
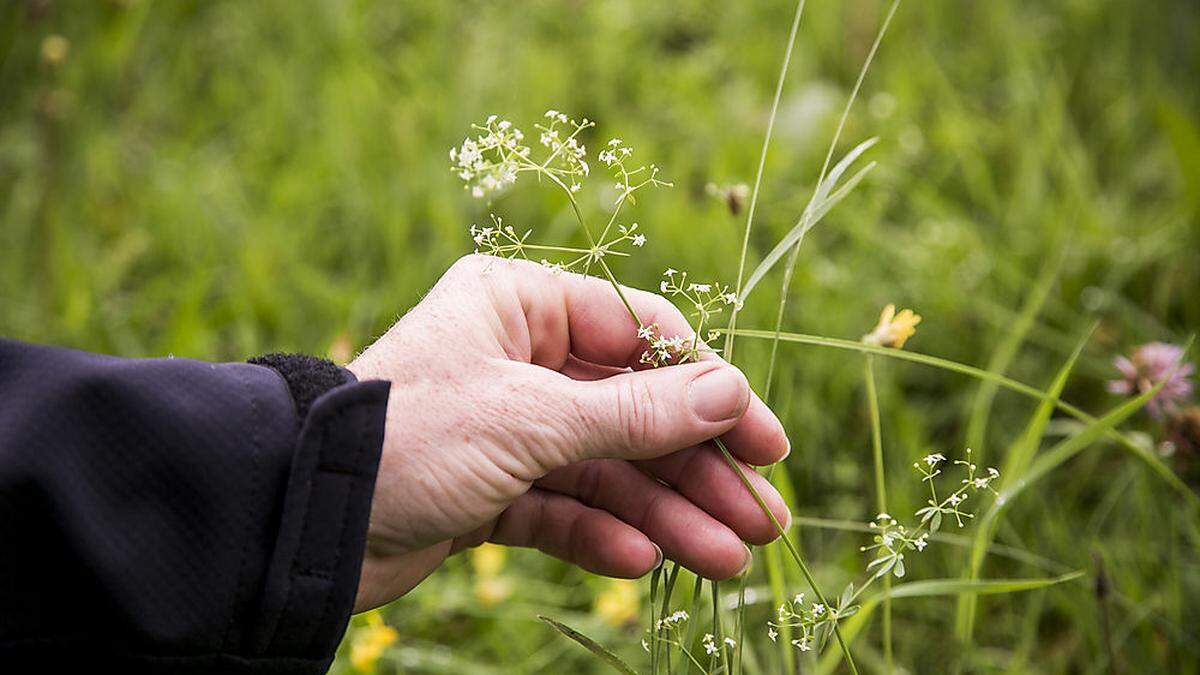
(519, 414)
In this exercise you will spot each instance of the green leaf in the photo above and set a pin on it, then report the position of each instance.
(591, 645)
(1051, 459)
(1016, 460)
(820, 204)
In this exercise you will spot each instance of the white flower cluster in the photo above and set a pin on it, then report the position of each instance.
(664, 351)
(498, 239)
(567, 153)
(893, 539)
(671, 621)
(617, 157)
(712, 648)
(492, 159)
(663, 627)
(891, 542)
(929, 467)
(815, 623)
(705, 300)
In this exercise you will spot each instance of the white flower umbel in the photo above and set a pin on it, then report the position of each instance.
(702, 301)
(891, 542)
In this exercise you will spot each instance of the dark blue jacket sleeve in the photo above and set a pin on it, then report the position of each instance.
(179, 516)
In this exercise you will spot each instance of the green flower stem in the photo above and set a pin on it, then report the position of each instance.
(718, 627)
(787, 542)
(686, 651)
(880, 498)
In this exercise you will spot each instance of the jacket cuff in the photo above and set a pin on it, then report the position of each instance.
(313, 574)
(307, 377)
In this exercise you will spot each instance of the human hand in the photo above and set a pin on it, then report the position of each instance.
(518, 415)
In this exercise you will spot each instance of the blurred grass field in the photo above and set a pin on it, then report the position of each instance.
(220, 179)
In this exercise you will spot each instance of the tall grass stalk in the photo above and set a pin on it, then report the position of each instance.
(880, 496)
(808, 216)
(762, 164)
(807, 219)
(791, 548)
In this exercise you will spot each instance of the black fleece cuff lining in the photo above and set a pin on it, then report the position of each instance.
(307, 377)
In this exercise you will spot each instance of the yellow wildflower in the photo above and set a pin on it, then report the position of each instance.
(369, 642)
(490, 587)
(491, 591)
(488, 559)
(893, 328)
(620, 603)
(55, 49)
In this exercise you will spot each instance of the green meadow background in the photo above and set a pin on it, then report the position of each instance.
(217, 179)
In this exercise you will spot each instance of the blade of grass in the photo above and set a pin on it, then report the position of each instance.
(688, 641)
(1016, 460)
(1051, 459)
(718, 626)
(762, 164)
(655, 577)
(1162, 470)
(669, 589)
(935, 587)
(812, 215)
(591, 645)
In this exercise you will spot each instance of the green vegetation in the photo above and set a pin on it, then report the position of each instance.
(218, 179)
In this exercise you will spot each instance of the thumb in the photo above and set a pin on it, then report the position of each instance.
(649, 413)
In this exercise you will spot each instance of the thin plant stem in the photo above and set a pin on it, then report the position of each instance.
(750, 212)
(880, 497)
(809, 208)
(762, 164)
(687, 652)
(654, 578)
(718, 627)
(862, 75)
(787, 542)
